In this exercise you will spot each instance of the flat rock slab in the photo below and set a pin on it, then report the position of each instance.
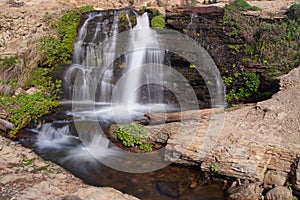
(255, 138)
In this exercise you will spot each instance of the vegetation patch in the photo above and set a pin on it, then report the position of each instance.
(57, 49)
(270, 46)
(133, 134)
(24, 109)
(158, 22)
(241, 5)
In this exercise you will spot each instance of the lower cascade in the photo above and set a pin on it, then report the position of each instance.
(119, 72)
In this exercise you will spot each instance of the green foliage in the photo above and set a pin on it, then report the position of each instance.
(56, 50)
(294, 11)
(214, 167)
(146, 147)
(10, 61)
(156, 12)
(133, 134)
(227, 80)
(251, 85)
(52, 52)
(149, 4)
(158, 22)
(39, 78)
(24, 108)
(241, 5)
(234, 47)
(192, 66)
(143, 10)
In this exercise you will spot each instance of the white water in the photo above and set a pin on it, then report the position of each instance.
(140, 40)
(91, 99)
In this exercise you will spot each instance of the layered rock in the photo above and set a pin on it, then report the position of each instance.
(259, 142)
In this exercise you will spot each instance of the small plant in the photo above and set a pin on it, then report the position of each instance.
(192, 66)
(149, 4)
(10, 61)
(227, 80)
(133, 134)
(214, 167)
(158, 22)
(156, 12)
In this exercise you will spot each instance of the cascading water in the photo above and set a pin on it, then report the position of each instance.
(106, 87)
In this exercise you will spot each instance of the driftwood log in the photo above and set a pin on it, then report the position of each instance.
(160, 118)
(6, 125)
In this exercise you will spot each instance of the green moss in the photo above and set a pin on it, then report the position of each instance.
(158, 22)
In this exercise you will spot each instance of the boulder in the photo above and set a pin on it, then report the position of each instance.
(245, 192)
(32, 91)
(274, 178)
(279, 193)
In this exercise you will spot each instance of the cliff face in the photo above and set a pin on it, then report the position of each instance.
(242, 44)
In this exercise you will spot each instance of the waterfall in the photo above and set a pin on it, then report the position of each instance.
(97, 78)
(140, 40)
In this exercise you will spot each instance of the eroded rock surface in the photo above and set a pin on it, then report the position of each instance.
(24, 175)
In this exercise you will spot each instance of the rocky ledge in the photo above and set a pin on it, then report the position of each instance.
(24, 175)
(259, 142)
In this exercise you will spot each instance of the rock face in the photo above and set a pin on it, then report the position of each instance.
(24, 175)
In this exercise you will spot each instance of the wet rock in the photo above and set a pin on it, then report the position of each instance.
(247, 191)
(168, 188)
(274, 178)
(209, 192)
(279, 193)
(95, 193)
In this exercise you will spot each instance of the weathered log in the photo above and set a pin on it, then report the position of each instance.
(158, 118)
(6, 125)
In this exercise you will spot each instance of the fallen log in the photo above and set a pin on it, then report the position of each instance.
(6, 125)
(159, 118)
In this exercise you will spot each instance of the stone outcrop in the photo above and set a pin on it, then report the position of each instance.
(255, 139)
(24, 175)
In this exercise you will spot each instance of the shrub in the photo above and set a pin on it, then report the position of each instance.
(133, 134)
(158, 22)
(241, 5)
